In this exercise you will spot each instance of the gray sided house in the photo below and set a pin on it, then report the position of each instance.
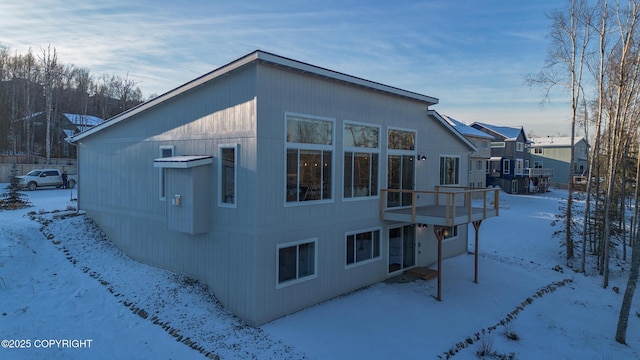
(555, 153)
(510, 164)
(280, 184)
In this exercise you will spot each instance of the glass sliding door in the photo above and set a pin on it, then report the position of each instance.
(402, 245)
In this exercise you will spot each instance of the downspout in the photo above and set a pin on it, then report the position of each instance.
(77, 175)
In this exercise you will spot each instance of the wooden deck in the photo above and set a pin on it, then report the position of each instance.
(447, 206)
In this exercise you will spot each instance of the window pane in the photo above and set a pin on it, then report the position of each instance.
(228, 175)
(309, 131)
(401, 140)
(306, 259)
(360, 136)
(326, 175)
(374, 174)
(287, 263)
(310, 174)
(407, 178)
(408, 244)
(361, 174)
(350, 249)
(292, 175)
(348, 178)
(364, 247)
(393, 180)
(376, 243)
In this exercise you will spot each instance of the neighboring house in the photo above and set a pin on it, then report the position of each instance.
(555, 153)
(62, 127)
(478, 160)
(510, 163)
(280, 184)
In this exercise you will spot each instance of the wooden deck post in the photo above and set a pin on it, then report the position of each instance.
(439, 232)
(476, 226)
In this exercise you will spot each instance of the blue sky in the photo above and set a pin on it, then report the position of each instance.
(471, 55)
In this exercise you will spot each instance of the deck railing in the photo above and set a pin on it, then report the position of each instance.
(449, 196)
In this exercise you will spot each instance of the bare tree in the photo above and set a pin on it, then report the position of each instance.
(571, 34)
(49, 63)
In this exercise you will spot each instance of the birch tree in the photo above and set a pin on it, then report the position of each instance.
(570, 34)
(49, 63)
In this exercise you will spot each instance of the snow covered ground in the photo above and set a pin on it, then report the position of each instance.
(67, 293)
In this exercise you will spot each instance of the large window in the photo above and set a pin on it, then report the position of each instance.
(361, 154)
(363, 246)
(165, 151)
(400, 166)
(449, 170)
(296, 262)
(309, 144)
(227, 174)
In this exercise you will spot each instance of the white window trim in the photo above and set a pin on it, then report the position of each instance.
(459, 168)
(368, 261)
(332, 148)
(354, 149)
(498, 144)
(519, 146)
(236, 148)
(161, 173)
(297, 280)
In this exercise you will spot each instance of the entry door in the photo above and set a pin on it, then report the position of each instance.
(402, 248)
(400, 175)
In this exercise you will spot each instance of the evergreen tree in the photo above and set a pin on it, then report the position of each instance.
(13, 199)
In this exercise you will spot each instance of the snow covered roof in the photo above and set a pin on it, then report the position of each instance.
(182, 161)
(509, 133)
(84, 120)
(553, 141)
(466, 129)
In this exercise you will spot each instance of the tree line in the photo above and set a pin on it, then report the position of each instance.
(594, 56)
(36, 88)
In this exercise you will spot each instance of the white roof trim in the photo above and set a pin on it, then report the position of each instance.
(452, 129)
(182, 161)
(257, 55)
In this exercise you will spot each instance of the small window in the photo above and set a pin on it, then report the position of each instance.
(227, 175)
(519, 146)
(479, 165)
(497, 144)
(362, 247)
(450, 232)
(449, 170)
(485, 144)
(537, 150)
(487, 167)
(506, 166)
(296, 262)
(165, 151)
